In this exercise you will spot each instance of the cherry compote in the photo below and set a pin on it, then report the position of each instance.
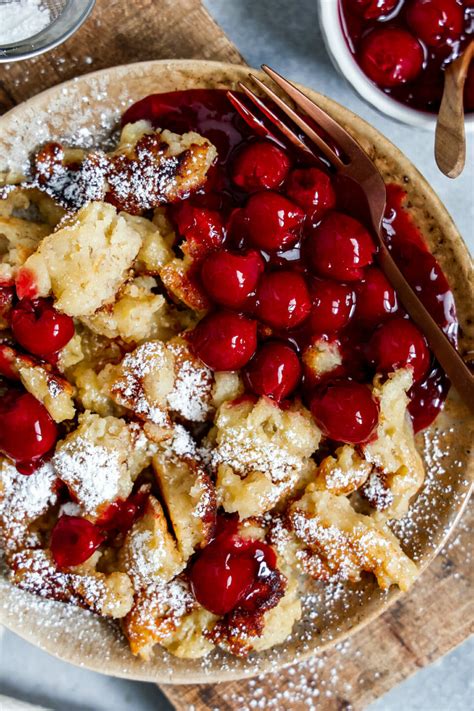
(332, 306)
(272, 222)
(230, 278)
(224, 340)
(404, 46)
(27, 430)
(296, 226)
(399, 344)
(230, 571)
(372, 9)
(74, 540)
(260, 165)
(283, 300)
(340, 247)
(39, 328)
(312, 190)
(121, 514)
(346, 411)
(274, 371)
(376, 298)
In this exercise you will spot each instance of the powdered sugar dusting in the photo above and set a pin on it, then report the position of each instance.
(181, 444)
(191, 393)
(244, 452)
(91, 470)
(24, 498)
(437, 497)
(376, 492)
(72, 188)
(35, 573)
(148, 555)
(130, 389)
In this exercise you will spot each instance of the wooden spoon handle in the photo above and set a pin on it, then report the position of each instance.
(450, 139)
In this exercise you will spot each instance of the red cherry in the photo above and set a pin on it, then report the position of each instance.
(121, 514)
(39, 328)
(74, 540)
(201, 227)
(230, 278)
(333, 306)
(272, 221)
(27, 430)
(312, 190)
(376, 298)
(260, 165)
(435, 21)
(283, 299)
(398, 344)
(340, 247)
(229, 573)
(224, 340)
(346, 411)
(274, 371)
(220, 579)
(373, 9)
(391, 56)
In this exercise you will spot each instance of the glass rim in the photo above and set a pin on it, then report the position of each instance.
(55, 33)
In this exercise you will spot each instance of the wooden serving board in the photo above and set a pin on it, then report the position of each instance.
(439, 613)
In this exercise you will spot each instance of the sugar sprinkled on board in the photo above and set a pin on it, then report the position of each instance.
(22, 19)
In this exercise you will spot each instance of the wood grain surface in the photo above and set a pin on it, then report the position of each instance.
(120, 32)
(438, 614)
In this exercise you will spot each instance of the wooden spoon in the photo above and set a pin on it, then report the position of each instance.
(450, 138)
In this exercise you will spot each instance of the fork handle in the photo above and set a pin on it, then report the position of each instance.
(447, 355)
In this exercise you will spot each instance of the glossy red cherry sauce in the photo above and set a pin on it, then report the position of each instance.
(232, 571)
(209, 113)
(121, 514)
(441, 28)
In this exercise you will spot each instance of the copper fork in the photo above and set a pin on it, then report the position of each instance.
(352, 163)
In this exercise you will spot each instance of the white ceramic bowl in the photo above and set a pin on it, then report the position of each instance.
(343, 60)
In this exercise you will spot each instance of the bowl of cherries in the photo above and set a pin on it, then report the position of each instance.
(395, 52)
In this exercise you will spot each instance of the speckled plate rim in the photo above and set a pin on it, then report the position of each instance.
(119, 86)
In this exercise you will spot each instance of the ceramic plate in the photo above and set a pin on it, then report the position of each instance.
(86, 111)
